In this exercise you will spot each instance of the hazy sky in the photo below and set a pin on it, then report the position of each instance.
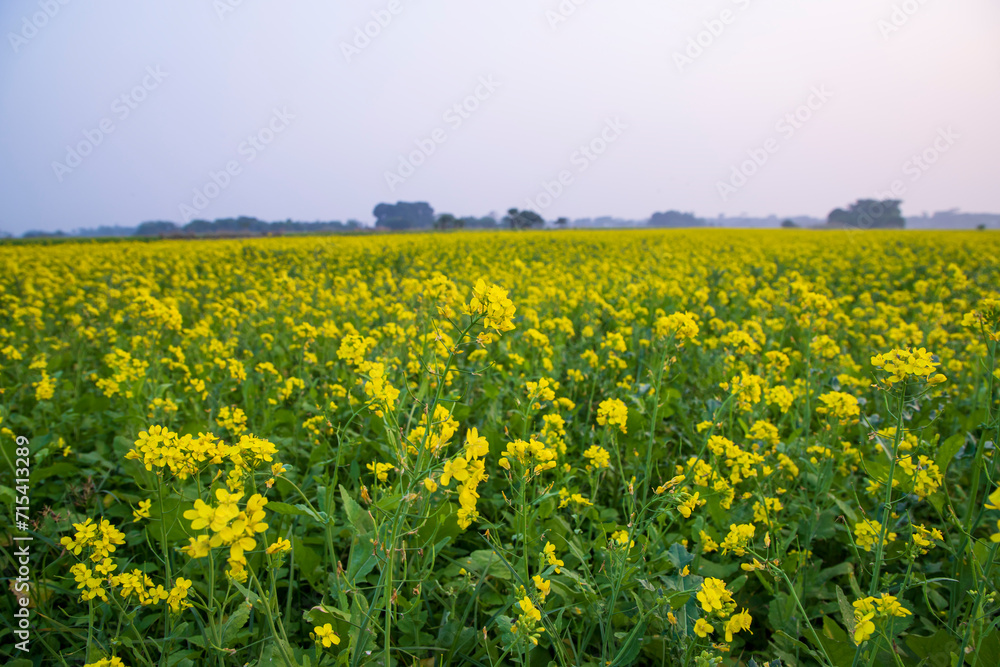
(116, 112)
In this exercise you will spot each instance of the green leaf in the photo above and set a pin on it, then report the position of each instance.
(285, 508)
(356, 516)
(362, 559)
(236, 622)
(359, 611)
(678, 555)
(307, 560)
(62, 469)
(271, 656)
(631, 647)
(948, 450)
(834, 639)
(935, 649)
(484, 562)
(989, 651)
(247, 593)
(846, 611)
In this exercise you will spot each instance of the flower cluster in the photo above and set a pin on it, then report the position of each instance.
(101, 539)
(528, 453)
(228, 525)
(469, 470)
(382, 394)
(867, 533)
(161, 449)
(612, 412)
(739, 538)
(840, 406)
(903, 364)
(492, 302)
(871, 610)
(682, 326)
(717, 601)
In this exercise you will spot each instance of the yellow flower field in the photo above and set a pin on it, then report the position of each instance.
(567, 448)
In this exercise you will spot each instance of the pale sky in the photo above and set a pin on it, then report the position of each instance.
(615, 98)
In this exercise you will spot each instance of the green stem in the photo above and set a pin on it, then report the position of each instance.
(887, 507)
(164, 545)
(652, 426)
(266, 605)
(805, 617)
(979, 601)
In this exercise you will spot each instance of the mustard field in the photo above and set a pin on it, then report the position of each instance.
(559, 448)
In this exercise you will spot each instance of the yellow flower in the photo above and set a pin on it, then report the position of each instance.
(620, 539)
(380, 470)
(597, 457)
(689, 505)
(739, 538)
(325, 635)
(143, 511)
(612, 412)
(703, 628)
(863, 628)
(279, 546)
(476, 446)
(549, 552)
(529, 609)
(201, 516)
(177, 598)
(457, 468)
(736, 623)
(993, 503)
(492, 302)
(902, 364)
(713, 594)
(867, 532)
(199, 547)
(543, 586)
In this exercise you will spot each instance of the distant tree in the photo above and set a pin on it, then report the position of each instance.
(156, 228)
(472, 222)
(980, 227)
(38, 234)
(105, 230)
(199, 227)
(404, 215)
(448, 221)
(561, 223)
(675, 219)
(788, 224)
(869, 214)
(523, 219)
